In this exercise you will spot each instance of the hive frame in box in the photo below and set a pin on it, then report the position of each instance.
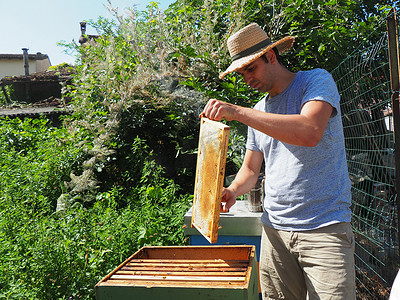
(210, 172)
(184, 272)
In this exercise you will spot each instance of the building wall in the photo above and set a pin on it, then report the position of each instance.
(15, 66)
(41, 65)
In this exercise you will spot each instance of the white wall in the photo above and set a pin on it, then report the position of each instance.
(15, 67)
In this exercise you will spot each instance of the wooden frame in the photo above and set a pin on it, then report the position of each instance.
(184, 272)
(210, 172)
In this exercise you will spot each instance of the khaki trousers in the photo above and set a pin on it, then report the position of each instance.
(318, 262)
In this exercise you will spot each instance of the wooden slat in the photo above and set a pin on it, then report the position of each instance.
(180, 270)
(191, 261)
(185, 270)
(164, 283)
(186, 265)
(202, 273)
(176, 278)
(227, 252)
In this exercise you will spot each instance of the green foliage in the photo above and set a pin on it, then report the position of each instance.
(3, 98)
(59, 255)
(62, 66)
(326, 32)
(64, 255)
(30, 168)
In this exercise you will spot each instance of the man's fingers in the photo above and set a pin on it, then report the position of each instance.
(213, 110)
(224, 208)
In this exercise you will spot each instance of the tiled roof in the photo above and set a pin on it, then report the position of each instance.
(46, 76)
(37, 56)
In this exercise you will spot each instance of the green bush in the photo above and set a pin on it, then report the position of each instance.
(63, 254)
(36, 159)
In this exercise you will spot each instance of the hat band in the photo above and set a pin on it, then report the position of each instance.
(252, 49)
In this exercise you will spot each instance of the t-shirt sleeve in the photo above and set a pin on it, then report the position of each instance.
(321, 86)
(251, 143)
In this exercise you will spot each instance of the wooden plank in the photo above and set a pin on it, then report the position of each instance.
(210, 172)
(180, 269)
(226, 252)
(176, 278)
(185, 268)
(184, 273)
(186, 265)
(191, 261)
(165, 283)
(202, 270)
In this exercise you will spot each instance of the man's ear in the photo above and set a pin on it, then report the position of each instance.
(270, 55)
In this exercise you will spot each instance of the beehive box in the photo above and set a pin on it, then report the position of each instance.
(184, 272)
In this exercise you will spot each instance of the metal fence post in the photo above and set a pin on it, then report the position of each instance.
(393, 43)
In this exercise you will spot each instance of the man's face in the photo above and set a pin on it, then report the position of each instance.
(258, 75)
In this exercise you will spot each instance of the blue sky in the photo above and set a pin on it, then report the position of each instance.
(40, 24)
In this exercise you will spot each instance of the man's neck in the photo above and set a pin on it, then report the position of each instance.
(284, 79)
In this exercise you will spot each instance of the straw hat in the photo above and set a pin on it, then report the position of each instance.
(250, 43)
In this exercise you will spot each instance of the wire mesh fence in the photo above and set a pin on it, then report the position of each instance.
(363, 81)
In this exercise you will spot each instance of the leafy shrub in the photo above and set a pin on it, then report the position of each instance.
(4, 99)
(64, 254)
(36, 159)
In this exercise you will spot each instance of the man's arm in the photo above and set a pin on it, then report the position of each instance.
(305, 129)
(245, 179)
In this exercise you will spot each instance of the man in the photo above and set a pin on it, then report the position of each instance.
(307, 243)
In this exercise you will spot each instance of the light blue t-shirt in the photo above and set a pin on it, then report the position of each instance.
(305, 187)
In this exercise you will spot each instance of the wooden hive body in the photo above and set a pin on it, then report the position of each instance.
(184, 272)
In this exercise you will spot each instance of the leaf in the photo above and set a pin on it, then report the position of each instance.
(321, 48)
(154, 192)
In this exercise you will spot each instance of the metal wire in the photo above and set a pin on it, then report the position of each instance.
(363, 81)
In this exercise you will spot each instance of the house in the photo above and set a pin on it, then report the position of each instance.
(37, 94)
(84, 39)
(23, 64)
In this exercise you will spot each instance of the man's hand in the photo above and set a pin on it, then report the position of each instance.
(228, 199)
(244, 181)
(217, 110)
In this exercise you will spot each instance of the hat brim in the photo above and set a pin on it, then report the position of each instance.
(282, 45)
